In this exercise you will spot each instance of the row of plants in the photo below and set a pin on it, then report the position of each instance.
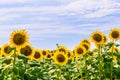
(19, 60)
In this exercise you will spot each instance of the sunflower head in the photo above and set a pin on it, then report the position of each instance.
(105, 39)
(49, 56)
(19, 38)
(97, 37)
(86, 46)
(4, 50)
(27, 51)
(60, 58)
(44, 53)
(114, 49)
(85, 40)
(69, 54)
(62, 49)
(79, 51)
(37, 55)
(114, 34)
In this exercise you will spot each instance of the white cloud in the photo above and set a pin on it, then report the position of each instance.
(80, 8)
(93, 8)
(15, 1)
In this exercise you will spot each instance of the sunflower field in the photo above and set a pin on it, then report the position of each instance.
(19, 60)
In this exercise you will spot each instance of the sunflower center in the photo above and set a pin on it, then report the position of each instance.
(68, 54)
(80, 51)
(61, 58)
(86, 41)
(52, 54)
(6, 49)
(18, 39)
(62, 50)
(116, 50)
(48, 56)
(26, 51)
(105, 39)
(85, 46)
(37, 55)
(97, 37)
(115, 34)
(44, 53)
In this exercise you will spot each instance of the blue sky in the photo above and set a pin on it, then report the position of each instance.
(65, 22)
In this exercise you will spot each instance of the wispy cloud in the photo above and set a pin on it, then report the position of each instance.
(15, 1)
(43, 19)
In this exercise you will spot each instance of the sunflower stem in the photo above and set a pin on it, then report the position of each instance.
(111, 68)
(100, 60)
(14, 56)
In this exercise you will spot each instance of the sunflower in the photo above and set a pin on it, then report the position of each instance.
(69, 54)
(52, 53)
(97, 37)
(4, 50)
(114, 34)
(19, 38)
(79, 51)
(44, 53)
(105, 39)
(27, 51)
(115, 49)
(86, 46)
(62, 49)
(85, 40)
(37, 55)
(60, 58)
(49, 56)
(0, 51)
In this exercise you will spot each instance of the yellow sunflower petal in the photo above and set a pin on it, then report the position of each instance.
(79, 51)
(28, 51)
(114, 34)
(97, 37)
(37, 55)
(4, 50)
(19, 38)
(60, 58)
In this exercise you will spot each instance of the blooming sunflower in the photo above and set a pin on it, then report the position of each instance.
(19, 38)
(115, 49)
(52, 53)
(49, 56)
(79, 51)
(44, 53)
(27, 51)
(0, 52)
(37, 55)
(97, 37)
(105, 39)
(60, 58)
(85, 40)
(62, 49)
(4, 50)
(69, 54)
(86, 46)
(114, 34)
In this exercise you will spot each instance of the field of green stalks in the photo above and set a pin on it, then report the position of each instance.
(19, 60)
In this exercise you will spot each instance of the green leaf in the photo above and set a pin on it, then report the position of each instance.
(21, 56)
(21, 71)
(15, 70)
(34, 64)
(7, 60)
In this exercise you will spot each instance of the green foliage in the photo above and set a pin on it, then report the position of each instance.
(94, 65)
